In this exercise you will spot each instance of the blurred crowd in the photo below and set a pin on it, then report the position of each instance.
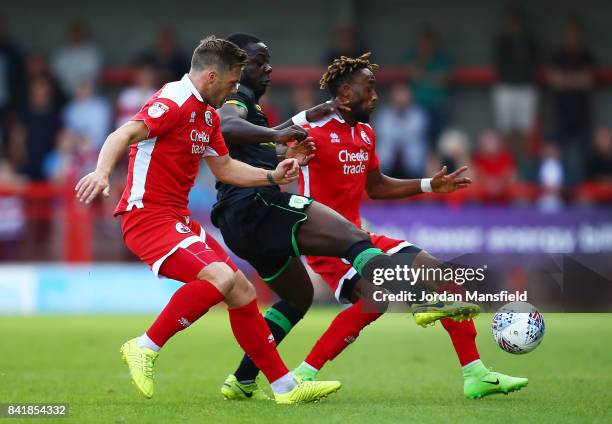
(55, 113)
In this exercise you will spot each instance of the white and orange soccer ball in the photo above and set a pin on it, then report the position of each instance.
(518, 327)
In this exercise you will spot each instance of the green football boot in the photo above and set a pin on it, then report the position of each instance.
(232, 389)
(426, 314)
(479, 381)
(140, 361)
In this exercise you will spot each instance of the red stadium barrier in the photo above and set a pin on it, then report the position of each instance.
(42, 204)
(594, 192)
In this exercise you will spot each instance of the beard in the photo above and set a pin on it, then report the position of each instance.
(361, 115)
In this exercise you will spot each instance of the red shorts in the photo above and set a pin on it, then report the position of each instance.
(335, 271)
(155, 234)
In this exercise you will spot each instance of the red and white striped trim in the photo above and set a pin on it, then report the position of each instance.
(183, 244)
(306, 175)
(139, 172)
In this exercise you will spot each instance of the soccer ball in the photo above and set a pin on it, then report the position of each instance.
(518, 327)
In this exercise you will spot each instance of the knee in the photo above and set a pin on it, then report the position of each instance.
(219, 275)
(242, 291)
(243, 286)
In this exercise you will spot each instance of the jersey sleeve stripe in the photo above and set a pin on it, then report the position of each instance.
(237, 103)
(139, 173)
(306, 174)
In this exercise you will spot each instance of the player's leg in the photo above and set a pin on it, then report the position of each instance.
(343, 331)
(479, 381)
(206, 284)
(327, 233)
(281, 224)
(254, 337)
(347, 325)
(348, 287)
(190, 302)
(290, 281)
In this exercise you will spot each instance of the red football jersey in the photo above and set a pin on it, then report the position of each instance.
(182, 129)
(337, 175)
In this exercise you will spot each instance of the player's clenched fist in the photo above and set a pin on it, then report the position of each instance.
(91, 185)
(286, 171)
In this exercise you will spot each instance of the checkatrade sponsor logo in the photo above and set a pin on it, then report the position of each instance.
(353, 162)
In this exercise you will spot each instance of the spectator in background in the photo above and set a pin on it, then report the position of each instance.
(12, 83)
(453, 152)
(37, 66)
(77, 60)
(571, 80)
(515, 95)
(599, 166)
(402, 135)
(66, 160)
(550, 178)
(346, 43)
(34, 136)
(166, 57)
(599, 170)
(88, 115)
(429, 68)
(132, 98)
(494, 168)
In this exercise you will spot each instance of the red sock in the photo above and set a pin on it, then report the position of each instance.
(254, 337)
(186, 305)
(463, 336)
(343, 330)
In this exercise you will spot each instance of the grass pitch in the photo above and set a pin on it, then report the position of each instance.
(395, 372)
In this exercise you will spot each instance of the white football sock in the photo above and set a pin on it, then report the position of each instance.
(307, 365)
(284, 384)
(145, 341)
(472, 363)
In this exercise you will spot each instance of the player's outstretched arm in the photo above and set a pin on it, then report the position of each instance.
(114, 147)
(237, 130)
(240, 174)
(380, 186)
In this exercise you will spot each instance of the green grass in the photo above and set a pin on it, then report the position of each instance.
(395, 372)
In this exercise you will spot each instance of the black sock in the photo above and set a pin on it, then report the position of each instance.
(369, 261)
(356, 249)
(281, 318)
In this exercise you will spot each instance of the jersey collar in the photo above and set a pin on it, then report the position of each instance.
(189, 84)
(338, 118)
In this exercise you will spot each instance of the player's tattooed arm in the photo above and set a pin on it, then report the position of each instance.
(380, 186)
(114, 147)
(240, 174)
(236, 129)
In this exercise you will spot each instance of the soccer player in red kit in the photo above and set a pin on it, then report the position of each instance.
(346, 165)
(170, 135)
